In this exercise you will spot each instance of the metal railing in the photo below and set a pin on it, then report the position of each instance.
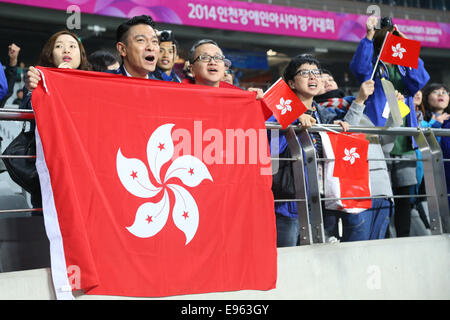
(310, 214)
(18, 115)
(309, 199)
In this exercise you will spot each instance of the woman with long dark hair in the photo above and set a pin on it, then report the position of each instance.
(438, 98)
(62, 50)
(435, 102)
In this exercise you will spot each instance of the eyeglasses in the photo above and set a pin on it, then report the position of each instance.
(207, 58)
(304, 73)
(438, 92)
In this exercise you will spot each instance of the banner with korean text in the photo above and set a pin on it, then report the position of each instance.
(253, 17)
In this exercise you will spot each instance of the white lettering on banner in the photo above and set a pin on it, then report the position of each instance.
(302, 23)
(259, 18)
(233, 14)
(273, 18)
(243, 15)
(433, 31)
(424, 38)
(420, 33)
(411, 29)
(222, 13)
(329, 24)
(264, 16)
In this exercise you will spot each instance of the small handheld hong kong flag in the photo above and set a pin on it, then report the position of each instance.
(284, 103)
(348, 175)
(350, 151)
(400, 51)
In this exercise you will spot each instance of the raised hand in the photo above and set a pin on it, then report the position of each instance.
(13, 53)
(371, 22)
(32, 79)
(259, 92)
(366, 89)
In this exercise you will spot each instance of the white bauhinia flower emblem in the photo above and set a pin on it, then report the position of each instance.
(350, 155)
(284, 106)
(151, 217)
(398, 51)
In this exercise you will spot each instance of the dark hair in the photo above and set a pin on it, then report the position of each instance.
(325, 71)
(174, 42)
(197, 44)
(386, 22)
(102, 59)
(426, 93)
(296, 62)
(378, 37)
(46, 58)
(165, 36)
(122, 30)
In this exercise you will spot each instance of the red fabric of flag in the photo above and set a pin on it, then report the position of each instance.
(401, 51)
(350, 152)
(284, 103)
(156, 185)
(348, 175)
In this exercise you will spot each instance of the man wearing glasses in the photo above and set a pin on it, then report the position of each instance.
(208, 66)
(207, 63)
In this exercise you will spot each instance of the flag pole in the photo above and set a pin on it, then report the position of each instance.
(379, 54)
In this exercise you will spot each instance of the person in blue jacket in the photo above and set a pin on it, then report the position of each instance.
(445, 146)
(3, 83)
(406, 81)
(436, 98)
(435, 105)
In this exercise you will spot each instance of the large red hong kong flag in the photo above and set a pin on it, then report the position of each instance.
(145, 191)
(348, 175)
(284, 103)
(401, 51)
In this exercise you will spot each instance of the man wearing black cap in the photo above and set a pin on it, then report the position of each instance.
(168, 55)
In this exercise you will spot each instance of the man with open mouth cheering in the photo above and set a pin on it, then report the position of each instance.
(138, 45)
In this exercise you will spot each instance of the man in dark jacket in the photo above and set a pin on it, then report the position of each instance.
(168, 55)
(138, 46)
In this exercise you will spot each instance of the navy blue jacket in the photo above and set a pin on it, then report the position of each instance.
(445, 146)
(121, 70)
(3, 83)
(160, 75)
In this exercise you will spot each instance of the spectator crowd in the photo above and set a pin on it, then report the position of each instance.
(143, 52)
